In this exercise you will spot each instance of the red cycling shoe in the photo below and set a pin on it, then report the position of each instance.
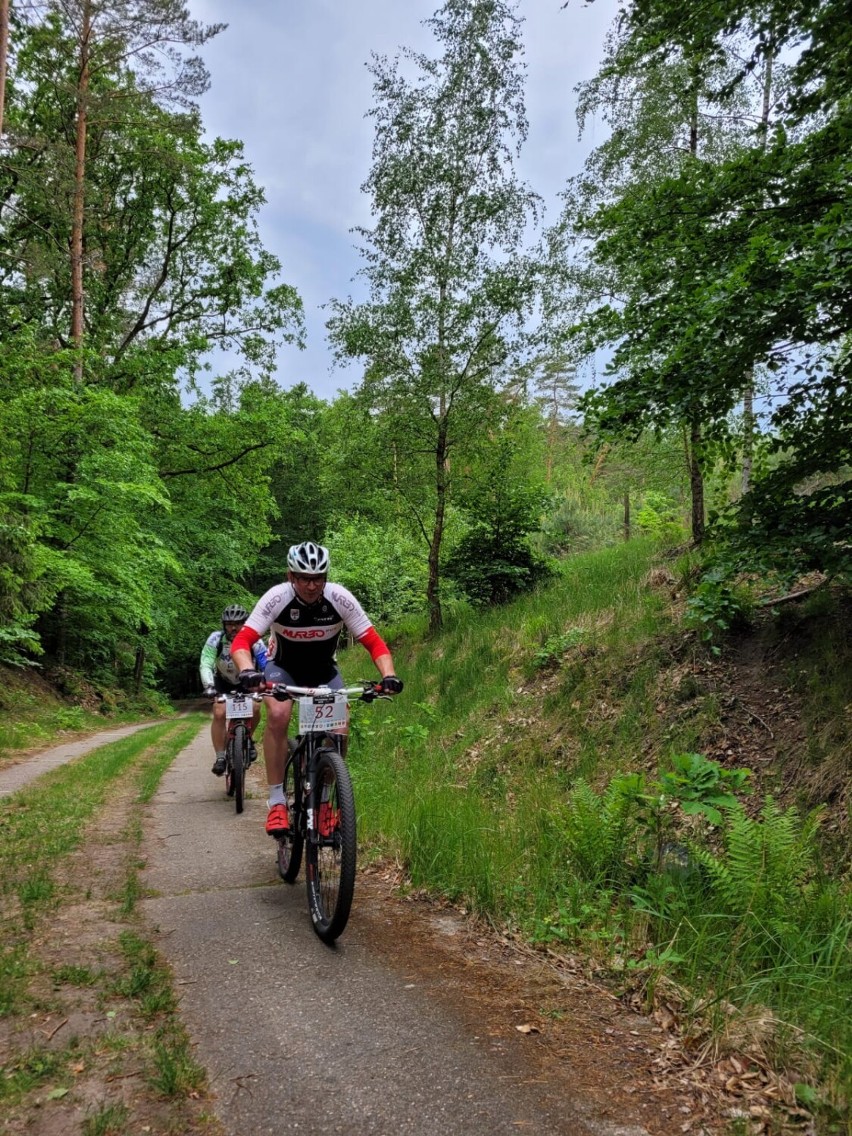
(277, 821)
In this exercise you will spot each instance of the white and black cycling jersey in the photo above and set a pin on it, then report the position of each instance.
(304, 636)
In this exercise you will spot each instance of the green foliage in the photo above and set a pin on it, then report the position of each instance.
(107, 1120)
(767, 883)
(660, 517)
(580, 521)
(727, 248)
(600, 830)
(109, 479)
(798, 517)
(555, 646)
(381, 564)
(528, 801)
(628, 832)
(27, 1071)
(495, 560)
(177, 1072)
(716, 608)
(491, 568)
(449, 286)
(703, 786)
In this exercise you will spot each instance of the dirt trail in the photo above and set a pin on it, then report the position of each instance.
(25, 767)
(420, 1019)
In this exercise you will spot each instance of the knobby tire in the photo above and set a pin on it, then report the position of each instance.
(239, 758)
(331, 849)
(291, 844)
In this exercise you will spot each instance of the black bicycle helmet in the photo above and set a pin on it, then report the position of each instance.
(234, 613)
(308, 559)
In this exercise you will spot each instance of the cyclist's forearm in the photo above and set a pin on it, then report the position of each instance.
(384, 665)
(372, 642)
(242, 648)
(206, 666)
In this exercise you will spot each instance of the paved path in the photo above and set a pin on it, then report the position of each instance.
(15, 777)
(300, 1037)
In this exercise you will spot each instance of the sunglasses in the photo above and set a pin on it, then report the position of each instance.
(300, 578)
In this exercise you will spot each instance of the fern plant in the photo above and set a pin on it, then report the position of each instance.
(762, 880)
(600, 830)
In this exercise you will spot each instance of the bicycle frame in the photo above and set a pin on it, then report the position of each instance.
(239, 720)
(321, 804)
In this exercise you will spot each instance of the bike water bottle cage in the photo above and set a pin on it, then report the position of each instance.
(308, 559)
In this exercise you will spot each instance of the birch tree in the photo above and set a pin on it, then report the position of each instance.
(449, 285)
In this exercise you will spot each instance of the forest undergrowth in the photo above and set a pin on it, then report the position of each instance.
(583, 769)
(41, 706)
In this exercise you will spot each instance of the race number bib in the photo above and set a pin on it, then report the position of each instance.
(322, 712)
(238, 706)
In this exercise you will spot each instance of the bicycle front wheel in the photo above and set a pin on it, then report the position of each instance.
(237, 772)
(291, 843)
(331, 847)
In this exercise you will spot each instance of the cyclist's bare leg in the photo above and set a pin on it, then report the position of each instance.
(343, 735)
(218, 728)
(275, 739)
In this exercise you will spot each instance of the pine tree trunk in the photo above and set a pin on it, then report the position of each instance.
(696, 483)
(748, 434)
(79, 206)
(4, 54)
(748, 390)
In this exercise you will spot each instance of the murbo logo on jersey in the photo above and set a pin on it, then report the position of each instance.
(271, 605)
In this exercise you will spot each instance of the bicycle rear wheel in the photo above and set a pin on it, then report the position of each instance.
(331, 848)
(237, 760)
(291, 843)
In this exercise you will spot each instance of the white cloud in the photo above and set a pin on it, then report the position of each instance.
(291, 80)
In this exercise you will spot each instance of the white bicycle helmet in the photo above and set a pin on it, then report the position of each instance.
(308, 559)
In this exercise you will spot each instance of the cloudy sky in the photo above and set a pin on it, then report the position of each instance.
(289, 78)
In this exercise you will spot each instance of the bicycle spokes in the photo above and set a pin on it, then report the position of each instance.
(331, 850)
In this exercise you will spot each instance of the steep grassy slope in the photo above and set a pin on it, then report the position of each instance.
(572, 766)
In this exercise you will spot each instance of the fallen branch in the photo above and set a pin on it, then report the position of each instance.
(55, 1029)
(790, 596)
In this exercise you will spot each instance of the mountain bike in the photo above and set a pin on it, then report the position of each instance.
(239, 750)
(321, 803)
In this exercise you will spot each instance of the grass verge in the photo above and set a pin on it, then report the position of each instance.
(100, 1040)
(544, 770)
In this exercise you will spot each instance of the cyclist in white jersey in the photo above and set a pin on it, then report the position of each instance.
(305, 615)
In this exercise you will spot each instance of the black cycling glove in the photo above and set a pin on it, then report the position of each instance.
(210, 692)
(390, 684)
(250, 680)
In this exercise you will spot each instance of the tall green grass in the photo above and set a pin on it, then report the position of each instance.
(469, 779)
(477, 721)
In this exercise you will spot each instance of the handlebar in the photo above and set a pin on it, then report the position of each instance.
(252, 694)
(363, 691)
